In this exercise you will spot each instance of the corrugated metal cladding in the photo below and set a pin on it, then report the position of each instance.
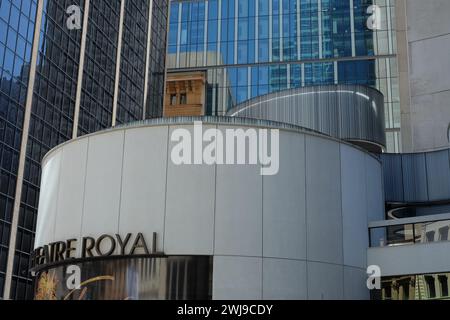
(351, 112)
(417, 178)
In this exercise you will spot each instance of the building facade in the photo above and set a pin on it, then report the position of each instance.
(251, 48)
(68, 68)
(185, 94)
(424, 47)
(150, 228)
(410, 246)
(212, 230)
(353, 113)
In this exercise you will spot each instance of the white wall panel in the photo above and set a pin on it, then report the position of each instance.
(323, 200)
(238, 223)
(375, 192)
(143, 203)
(103, 184)
(45, 230)
(237, 278)
(284, 210)
(354, 203)
(71, 191)
(325, 281)
(189, 206)
(355, 284)
(284, 279)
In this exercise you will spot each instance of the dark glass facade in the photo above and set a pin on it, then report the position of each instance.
(17, 20)
(99, 70)
(132, 79)
(152, 278)
(51, 124)
(255, 47)
(54, 97)
(157, 63)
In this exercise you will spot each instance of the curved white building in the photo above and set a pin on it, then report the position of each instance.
(227, 230)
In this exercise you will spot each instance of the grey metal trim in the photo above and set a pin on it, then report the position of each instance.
(352, 27)
(147, 56)
(319, 18)
(205, 28)
(256, 31)
(118, 63)
(270, 30)
(350, 112)
(299, 23)
(236, 30)
(399, 222)
(76, 115)
(280, 27)
(177, 63)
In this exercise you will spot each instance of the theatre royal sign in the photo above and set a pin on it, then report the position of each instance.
(104, 246)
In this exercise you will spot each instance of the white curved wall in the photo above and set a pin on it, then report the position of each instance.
(301, 234)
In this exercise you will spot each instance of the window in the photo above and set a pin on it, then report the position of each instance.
(183, 98)
(443, 283)
(405, 291)
(443, 234)
(173, 99)
(431, 287)
(430, 236)
(387, 292)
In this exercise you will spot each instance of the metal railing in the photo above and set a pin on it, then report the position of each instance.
(410, 231)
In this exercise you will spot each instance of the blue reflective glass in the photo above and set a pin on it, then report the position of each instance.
(270, 31)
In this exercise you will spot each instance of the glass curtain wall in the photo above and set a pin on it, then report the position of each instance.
(17, 21)
(254, 47)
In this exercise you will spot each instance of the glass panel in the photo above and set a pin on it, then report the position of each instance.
(152, 278)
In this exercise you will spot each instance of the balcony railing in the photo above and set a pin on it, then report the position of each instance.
(410, 231)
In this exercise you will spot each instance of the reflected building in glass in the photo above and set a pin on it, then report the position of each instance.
(255, 47)
(59, 83)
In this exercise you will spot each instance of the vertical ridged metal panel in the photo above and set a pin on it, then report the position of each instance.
(415, 185)
(350, 112)
(438, 173)
(417, 178)
(393, 178)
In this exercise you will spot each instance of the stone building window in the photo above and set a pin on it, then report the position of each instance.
(173, 99)
(183, 98)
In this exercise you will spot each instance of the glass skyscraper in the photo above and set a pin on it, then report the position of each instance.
(254, 47)
(57, 84)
